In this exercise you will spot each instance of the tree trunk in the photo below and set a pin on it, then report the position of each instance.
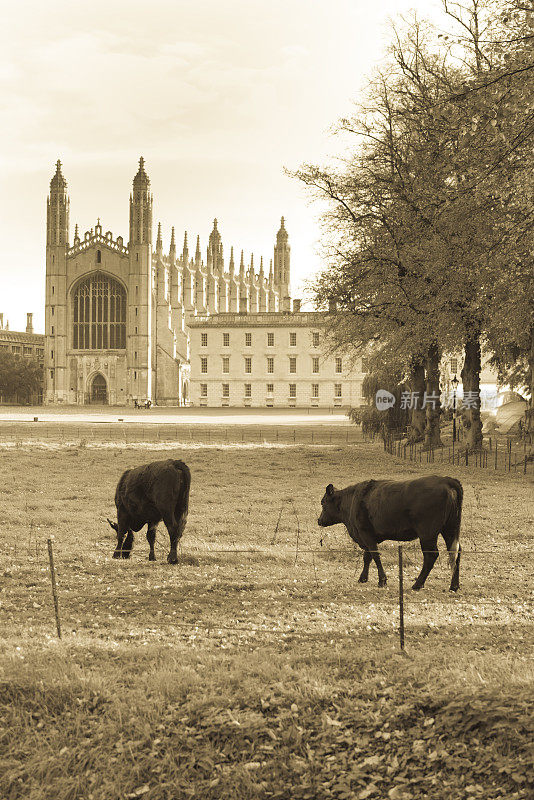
(530, 412)
(432, 399)
(417, 386)
(471, 386)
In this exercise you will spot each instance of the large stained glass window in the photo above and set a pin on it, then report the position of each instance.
(99, 305)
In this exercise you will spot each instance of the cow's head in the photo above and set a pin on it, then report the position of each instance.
(331, 502)
(113, 525)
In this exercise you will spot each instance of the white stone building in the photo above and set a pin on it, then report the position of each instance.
(268, 360)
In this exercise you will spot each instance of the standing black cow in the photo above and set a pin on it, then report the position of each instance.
(374, 511)
(146, 495)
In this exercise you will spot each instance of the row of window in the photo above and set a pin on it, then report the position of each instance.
(270, 364)
(248, 339)
(22, 350)
(270, 389)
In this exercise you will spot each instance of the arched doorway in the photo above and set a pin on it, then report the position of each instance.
(99, 391)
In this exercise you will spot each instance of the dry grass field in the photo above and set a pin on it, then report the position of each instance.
(257, 667)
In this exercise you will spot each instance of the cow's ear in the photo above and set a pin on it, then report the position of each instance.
(330, 490)
(113, 524)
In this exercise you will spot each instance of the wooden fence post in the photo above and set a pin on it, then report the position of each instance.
(401, 600)
(54, 589)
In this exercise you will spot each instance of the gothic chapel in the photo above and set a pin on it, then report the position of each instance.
(116, 323)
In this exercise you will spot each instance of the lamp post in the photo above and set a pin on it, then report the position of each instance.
(455, 383)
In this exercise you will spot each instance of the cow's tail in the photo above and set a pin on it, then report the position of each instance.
(182, 504)
(451, 530)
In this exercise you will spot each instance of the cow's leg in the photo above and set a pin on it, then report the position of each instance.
(176, 529)
(127, 545)
(455, 550)
(455, 580)
(367, 558)
(151, 538)
(382, 577)
(122, 532)
(430, 554)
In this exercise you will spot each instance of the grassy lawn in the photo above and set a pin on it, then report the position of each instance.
(258, 666)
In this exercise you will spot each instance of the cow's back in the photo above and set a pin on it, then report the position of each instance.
(151, 491)
(397, 507)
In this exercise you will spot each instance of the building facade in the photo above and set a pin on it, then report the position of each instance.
(117, 314)
(127, 322)
(269, 360)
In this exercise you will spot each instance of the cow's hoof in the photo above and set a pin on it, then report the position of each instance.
(152, 557)
(172, 559)
(362, 579)
(416, 587)
(125, 554)
(117, 554)
(382, 583)
(454, 588)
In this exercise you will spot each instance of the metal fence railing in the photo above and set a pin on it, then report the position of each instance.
(505, 455)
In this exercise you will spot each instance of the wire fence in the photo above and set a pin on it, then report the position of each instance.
(313, 573)
(22, 433)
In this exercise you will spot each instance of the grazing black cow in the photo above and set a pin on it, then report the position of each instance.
(374, 511)
(146, 495)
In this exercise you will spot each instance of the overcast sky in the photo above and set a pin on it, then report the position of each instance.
(217, 95)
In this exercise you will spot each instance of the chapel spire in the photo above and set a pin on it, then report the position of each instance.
(141, 208)
(57, 210)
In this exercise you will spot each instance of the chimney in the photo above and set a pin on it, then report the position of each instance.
(29, 323)
(286, 303)
(296, 305)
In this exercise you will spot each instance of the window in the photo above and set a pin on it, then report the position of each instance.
(204, 365)
(135, 355)
(135, 375)
(270, 388)
(52, 330)
(98, 256)
(51, 353)
(99, 311)
(52, 309)
(248, 340)
(248, 364)
(315, 339)
(315, 390)
(226, 364)
(203, 339)
(40, 351)
(52, 374)
(339, 365)
(315, 364)
(53, 289)
(293, 364)
(270, 365)
(292, 339)
(270, 340)
(454, 366)
(226, 340)
(337, 390)
(203, 389)
(248, 390)
(365, 365)
(226, 390)
(292, 389)
(16, 349)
